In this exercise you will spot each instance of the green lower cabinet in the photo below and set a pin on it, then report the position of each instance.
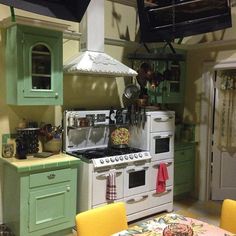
(40, 203)
(184, 160)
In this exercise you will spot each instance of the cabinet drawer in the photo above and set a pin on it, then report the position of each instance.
(157, 199)
(137, 203)
(162, 123)
(50, 177)
(184, 155)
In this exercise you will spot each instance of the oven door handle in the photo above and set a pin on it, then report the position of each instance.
(137, 169)
(167, 163)
(163, 136)
(163, 119)
(137, 199)
(165, 192)
(106, 175)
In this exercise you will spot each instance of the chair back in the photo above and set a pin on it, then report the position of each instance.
(102, 221)
(228, 215)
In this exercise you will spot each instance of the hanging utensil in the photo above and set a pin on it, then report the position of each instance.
(131, 91)
(167, 74)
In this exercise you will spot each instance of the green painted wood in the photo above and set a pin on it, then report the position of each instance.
(41, 167)
(19, 42)
(38, 210)
(49, 206)
(49, 177)
(163, 92)
(184, 166)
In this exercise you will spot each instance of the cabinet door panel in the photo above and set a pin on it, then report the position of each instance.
(48, 207)
(183, 181)
(30, 41)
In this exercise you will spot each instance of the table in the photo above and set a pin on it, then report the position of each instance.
(156, 226)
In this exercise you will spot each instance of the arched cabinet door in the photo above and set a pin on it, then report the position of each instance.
(36, 77)
(41, 67)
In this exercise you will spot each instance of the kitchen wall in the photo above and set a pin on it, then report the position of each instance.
(79, 92)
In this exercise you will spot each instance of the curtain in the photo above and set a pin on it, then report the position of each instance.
(227, 108)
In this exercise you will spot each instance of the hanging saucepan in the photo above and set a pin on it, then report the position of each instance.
(131, 91)
(156, 79)
(145, 74)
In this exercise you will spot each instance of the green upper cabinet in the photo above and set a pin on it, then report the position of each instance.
(34, 66)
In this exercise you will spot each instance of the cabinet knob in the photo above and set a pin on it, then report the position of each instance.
(68, 188)
(56, 95)
(51, 176)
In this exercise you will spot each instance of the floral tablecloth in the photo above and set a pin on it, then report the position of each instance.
(155, 227)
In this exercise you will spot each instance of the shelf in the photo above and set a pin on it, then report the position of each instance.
(157, 56)
(42, 75)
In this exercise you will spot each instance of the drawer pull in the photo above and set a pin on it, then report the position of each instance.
(51, 176)
(137, 199)
(68, 188)
(137, 169)
(163, 136)
(163, 119)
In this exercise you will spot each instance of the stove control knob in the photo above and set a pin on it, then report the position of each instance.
(140, 155)
(107, 160)
(136, 155)
(121, 158)
(112, 159)
(131, 156)
(126, 157)
(102, 161)
(117, 158)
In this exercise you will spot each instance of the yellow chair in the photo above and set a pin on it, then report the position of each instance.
(102, 221)
(228, 215)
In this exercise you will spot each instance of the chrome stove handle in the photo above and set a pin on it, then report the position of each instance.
(165, 192)
(163, 119)
(137, 199)
(167, 163)
(163, 136)
(137, 169)
(106, 175)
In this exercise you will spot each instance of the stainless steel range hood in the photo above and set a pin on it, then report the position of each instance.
(92, 59)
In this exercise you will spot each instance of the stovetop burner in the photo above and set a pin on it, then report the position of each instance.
(105, 152)
(109, 156)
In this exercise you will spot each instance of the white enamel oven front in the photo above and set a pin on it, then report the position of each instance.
(136, 179)
(162, 145)
(99, 183)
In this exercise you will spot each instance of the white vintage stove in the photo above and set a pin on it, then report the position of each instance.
(134, 169)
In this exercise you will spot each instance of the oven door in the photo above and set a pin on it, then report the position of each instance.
(162, 145)
(100, 186)
(136, 179)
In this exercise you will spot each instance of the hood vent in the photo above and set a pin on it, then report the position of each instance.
(92, 59)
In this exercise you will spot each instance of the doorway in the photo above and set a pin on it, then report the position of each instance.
(223, 174)
(217, 146)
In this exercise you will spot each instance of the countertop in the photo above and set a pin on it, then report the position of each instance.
(34, 163)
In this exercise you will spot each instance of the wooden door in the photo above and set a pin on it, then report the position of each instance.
(224, 136)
